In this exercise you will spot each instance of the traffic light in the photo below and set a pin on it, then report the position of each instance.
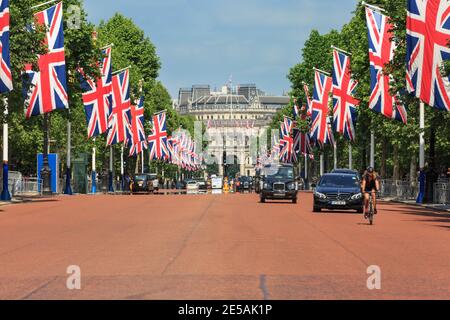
(224, 158)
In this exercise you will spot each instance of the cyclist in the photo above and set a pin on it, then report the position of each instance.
(370, 184)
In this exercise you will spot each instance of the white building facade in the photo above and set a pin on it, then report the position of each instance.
(235, 118)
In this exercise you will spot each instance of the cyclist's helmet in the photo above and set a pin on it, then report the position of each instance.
(370, 169)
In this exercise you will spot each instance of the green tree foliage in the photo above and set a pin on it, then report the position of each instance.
(397, 144)
(131, 48)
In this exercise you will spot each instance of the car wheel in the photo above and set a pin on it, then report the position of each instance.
(263, 200)
(294, 200)
(360, 210)
(317, 209)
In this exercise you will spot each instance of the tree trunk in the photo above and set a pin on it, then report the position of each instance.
(396, 174)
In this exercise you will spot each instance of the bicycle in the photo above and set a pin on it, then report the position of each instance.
(371, 213)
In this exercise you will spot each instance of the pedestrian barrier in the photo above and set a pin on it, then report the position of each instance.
(398, 189)
(441, 193)
(25, 187)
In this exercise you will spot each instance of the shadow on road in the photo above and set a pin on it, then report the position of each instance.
(434, 216)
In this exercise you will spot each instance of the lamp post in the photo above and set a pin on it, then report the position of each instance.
(46, 171)
(68, 188)
(94, 173)
(5, 196)
(110, 173)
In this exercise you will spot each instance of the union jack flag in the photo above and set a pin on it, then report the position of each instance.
(97, 97)
(119, 119)
(296, 110)
(137, 128)
(47, 87)
(157, 140)
(381, 53)
(286, 127)
(428, 34)
(308, 100)
(171, 148)
(286, 141)
(344, 111)
(320, 108)
(5, 62)
(137, 148)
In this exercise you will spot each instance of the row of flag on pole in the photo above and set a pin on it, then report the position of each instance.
(106, 100)
(428, 35)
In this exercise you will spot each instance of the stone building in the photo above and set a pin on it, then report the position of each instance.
(234, 117)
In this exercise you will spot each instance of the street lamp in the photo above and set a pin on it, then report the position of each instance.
(46, 171)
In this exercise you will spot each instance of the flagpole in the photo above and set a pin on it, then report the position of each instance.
(341, 50)
(422, 176)
(44, 4)
(5, 196)
(372, 7)
(321, 164)
(142, 161)
(422, 136)
(350, 156)
(68, 189)
(372, 149)
(321, 71)
(94, 173)
(119, 71)
(46, 172)
(110, 173)
(335, 154)
(306, 172)
(121, 168)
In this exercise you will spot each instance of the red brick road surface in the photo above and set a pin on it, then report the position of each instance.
(219, 247)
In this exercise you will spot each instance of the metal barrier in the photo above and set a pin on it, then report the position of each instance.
(399, 189)
(441, 193)
(25, 187)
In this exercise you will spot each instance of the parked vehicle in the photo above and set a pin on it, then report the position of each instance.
(244, 184)
(191, 185)
(279, 183)
(338, 191)
(154, 178)
(142, 183)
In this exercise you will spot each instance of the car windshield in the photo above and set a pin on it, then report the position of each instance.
(339, 181)
(140, 178)
(280, 173)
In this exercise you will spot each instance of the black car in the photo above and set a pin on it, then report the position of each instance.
(279, 183)
(142, 183)
(338, 191)
(347, 171)
(244, 184)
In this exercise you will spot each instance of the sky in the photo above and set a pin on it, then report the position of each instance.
(213, 41)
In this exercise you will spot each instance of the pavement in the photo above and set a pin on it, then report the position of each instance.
(432, 206)
(225, 246)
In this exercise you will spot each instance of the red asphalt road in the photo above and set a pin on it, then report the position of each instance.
(219, 247)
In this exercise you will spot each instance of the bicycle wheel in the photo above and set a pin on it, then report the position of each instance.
(371, 212)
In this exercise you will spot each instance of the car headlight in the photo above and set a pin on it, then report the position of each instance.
(291, 186)
(266, 186)
(320, 195)
(356, 196)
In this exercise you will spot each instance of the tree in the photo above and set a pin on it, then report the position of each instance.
(397, 144)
